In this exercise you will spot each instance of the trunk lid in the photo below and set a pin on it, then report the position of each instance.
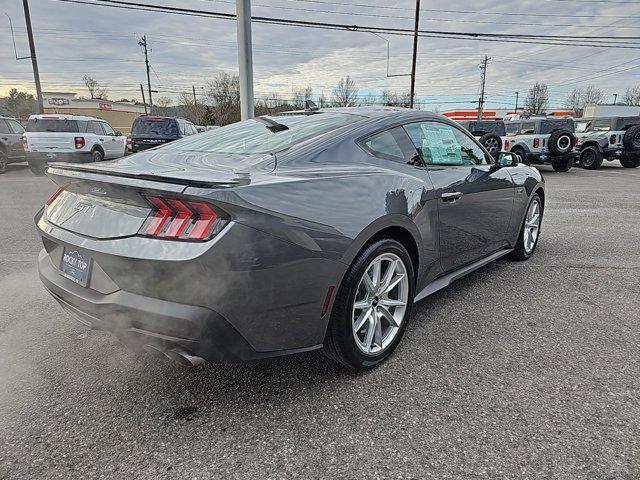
(50, 141)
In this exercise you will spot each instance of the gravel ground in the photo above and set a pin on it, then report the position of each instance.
(521, 370)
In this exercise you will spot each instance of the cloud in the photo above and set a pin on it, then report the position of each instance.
(73, 40)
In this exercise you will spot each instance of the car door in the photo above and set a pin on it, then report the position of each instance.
(15, 139)
(474, 198)
(6, 137)
(116, 143)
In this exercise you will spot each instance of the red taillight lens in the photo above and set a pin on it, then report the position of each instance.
(129, 143)
(612, 139)
(54, 196)
(181, 219)
(79, 141)
(536, 142)
(506, 145)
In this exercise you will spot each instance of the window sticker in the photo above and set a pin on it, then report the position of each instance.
(439, 145)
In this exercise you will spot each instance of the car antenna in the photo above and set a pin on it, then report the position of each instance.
(272, 124)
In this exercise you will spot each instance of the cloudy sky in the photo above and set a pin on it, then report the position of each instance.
(75, 39)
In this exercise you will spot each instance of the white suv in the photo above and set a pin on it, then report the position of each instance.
(542, 140)
(70, 138)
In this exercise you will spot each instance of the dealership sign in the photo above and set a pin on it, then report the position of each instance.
(105, 106)
(58, 101)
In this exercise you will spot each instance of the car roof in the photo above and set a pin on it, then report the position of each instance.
(63, 116)
(367, 111)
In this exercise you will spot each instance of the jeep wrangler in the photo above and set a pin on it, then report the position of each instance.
(488, 133)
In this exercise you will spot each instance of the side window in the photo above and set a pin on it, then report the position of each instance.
(94, 127)
(181, 126)
(15, 126)
(384, 145)
(512, 128)
(528, 128)
(602, 125)
(193, 128)
(442, 144)
(4, 127)
(107, 129)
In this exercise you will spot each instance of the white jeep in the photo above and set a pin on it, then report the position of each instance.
(70, 138)
(613, 138)
(542, 140)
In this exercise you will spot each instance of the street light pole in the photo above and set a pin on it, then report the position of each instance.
(245, 58)
(34, 61)
(415, 54)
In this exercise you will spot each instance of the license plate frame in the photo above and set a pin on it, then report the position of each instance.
(76, 265)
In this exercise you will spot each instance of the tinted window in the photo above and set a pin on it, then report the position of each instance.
(15, 126)
(527, 128)
(512, 128)
(254, 136)
(601, 125)
(155, 127)
(480, 128)
(547, 126)
(95, 127)
(441, 144)
(4, 127)
(107, 128)
(384, 145)
(55, 125)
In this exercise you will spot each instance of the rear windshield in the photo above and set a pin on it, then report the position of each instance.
(253, 136)
(548, 126)
(55, 125)
(155, 127)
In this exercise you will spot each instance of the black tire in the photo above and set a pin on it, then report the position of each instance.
(630, 161)
(339, 342)
(631, 139)
(519, 252)
(3, 162)
(522, 154)
(562, 164)
(492, 142)
(591, 158)
(97, 155)
(560, 142)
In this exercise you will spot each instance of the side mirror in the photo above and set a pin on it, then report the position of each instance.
(118, 134)
(507, 159)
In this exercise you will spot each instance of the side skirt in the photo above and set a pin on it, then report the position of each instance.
(441, 282)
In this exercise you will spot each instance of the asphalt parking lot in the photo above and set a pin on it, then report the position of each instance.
(521, 370)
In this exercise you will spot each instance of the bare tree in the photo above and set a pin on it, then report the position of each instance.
(190, 110)
(395, 99)
(323, 102)
(223, 93)
(300, 96)
(579, 98)
(537, 99)
(95, 89)
(345, 94)
(163, 102)
(632, 96)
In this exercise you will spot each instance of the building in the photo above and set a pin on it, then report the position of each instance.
(120, 115)
(615, 110)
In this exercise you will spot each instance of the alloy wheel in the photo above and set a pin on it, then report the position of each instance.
(588, 158)
(491, 144)
(380, 304)
(531, 226)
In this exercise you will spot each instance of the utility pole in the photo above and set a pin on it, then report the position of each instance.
(516, 109)
(143, 99)
(245, 58)
(483, 68)
(34, 61)
(415, 54)
(143, 44)
(195, 101)
(615, 98)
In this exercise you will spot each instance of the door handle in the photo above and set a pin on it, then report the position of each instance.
(5, 138)
(451, 196)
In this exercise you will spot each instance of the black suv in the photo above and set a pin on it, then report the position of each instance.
(613, 138)
(150, 131)
(488, 132)
(11, 149)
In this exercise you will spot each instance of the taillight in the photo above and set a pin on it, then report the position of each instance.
(506, 144)
(129, 143)
(25, 144)
(536, 142)
(612, 139)
(54, 196)
(181, 219)
(79, 141)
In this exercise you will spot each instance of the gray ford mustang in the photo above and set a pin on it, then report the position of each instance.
(308, 230)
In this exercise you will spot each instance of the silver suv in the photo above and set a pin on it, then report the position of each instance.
(613, 138)
(542, 140)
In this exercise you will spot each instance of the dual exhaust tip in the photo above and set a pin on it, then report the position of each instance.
(177, 354)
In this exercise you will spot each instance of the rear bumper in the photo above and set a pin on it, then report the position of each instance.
(141, 321)
(546, 158)
(47, 157)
